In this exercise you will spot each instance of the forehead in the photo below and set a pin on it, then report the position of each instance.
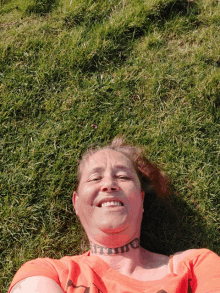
(106, 157)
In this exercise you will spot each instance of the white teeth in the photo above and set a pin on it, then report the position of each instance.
(111, 203)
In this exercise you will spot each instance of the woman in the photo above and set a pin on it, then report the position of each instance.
(112, 184)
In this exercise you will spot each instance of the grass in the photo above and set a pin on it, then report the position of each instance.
(77, 73)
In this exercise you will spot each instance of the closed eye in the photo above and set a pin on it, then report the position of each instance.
(123, 177)
(95, 178)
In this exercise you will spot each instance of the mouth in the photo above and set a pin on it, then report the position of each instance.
(110, 203)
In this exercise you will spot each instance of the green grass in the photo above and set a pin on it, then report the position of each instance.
(77, 73)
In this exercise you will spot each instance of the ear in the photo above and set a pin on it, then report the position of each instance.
(75, 201)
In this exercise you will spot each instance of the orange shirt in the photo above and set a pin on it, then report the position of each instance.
(199, 272)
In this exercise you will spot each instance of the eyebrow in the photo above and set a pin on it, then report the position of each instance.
(100, 169)
(122, 167)
(96, 170)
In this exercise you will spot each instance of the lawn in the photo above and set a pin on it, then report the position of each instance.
(76, 73)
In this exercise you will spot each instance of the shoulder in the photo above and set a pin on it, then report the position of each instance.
(53, 269)
(193, 257)
(178, 256)
(203, 268)
(49, 267)
(53, 263)
(192, 253)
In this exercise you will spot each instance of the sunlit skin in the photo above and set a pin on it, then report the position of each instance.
(106, 176)
(109, 175)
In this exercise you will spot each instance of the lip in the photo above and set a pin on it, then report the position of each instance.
(108, 199)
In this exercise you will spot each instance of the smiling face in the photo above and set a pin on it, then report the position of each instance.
(109, 199)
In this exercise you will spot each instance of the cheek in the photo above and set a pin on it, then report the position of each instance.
(87, 193)
(85, 210)
(86, 202)
(134, 192)
(135, 198)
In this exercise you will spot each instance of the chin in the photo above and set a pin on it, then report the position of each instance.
(113, 225)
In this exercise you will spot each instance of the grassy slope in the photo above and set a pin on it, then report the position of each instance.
(82, 73)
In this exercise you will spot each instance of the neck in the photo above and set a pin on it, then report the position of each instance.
(126, 259)
(102, 250)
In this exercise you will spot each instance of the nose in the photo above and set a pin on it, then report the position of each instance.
(109, 185)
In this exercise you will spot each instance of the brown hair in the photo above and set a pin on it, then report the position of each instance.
(149, 174)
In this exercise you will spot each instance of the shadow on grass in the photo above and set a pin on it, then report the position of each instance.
(4, 10)
(120, 39)
(42, 7)
(80, 15)
(123, 37)
(2, 2)
(176, 226)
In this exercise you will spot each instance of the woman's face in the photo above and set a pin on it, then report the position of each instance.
(109, 199)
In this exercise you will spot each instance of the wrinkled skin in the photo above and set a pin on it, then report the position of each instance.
(109, 175)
